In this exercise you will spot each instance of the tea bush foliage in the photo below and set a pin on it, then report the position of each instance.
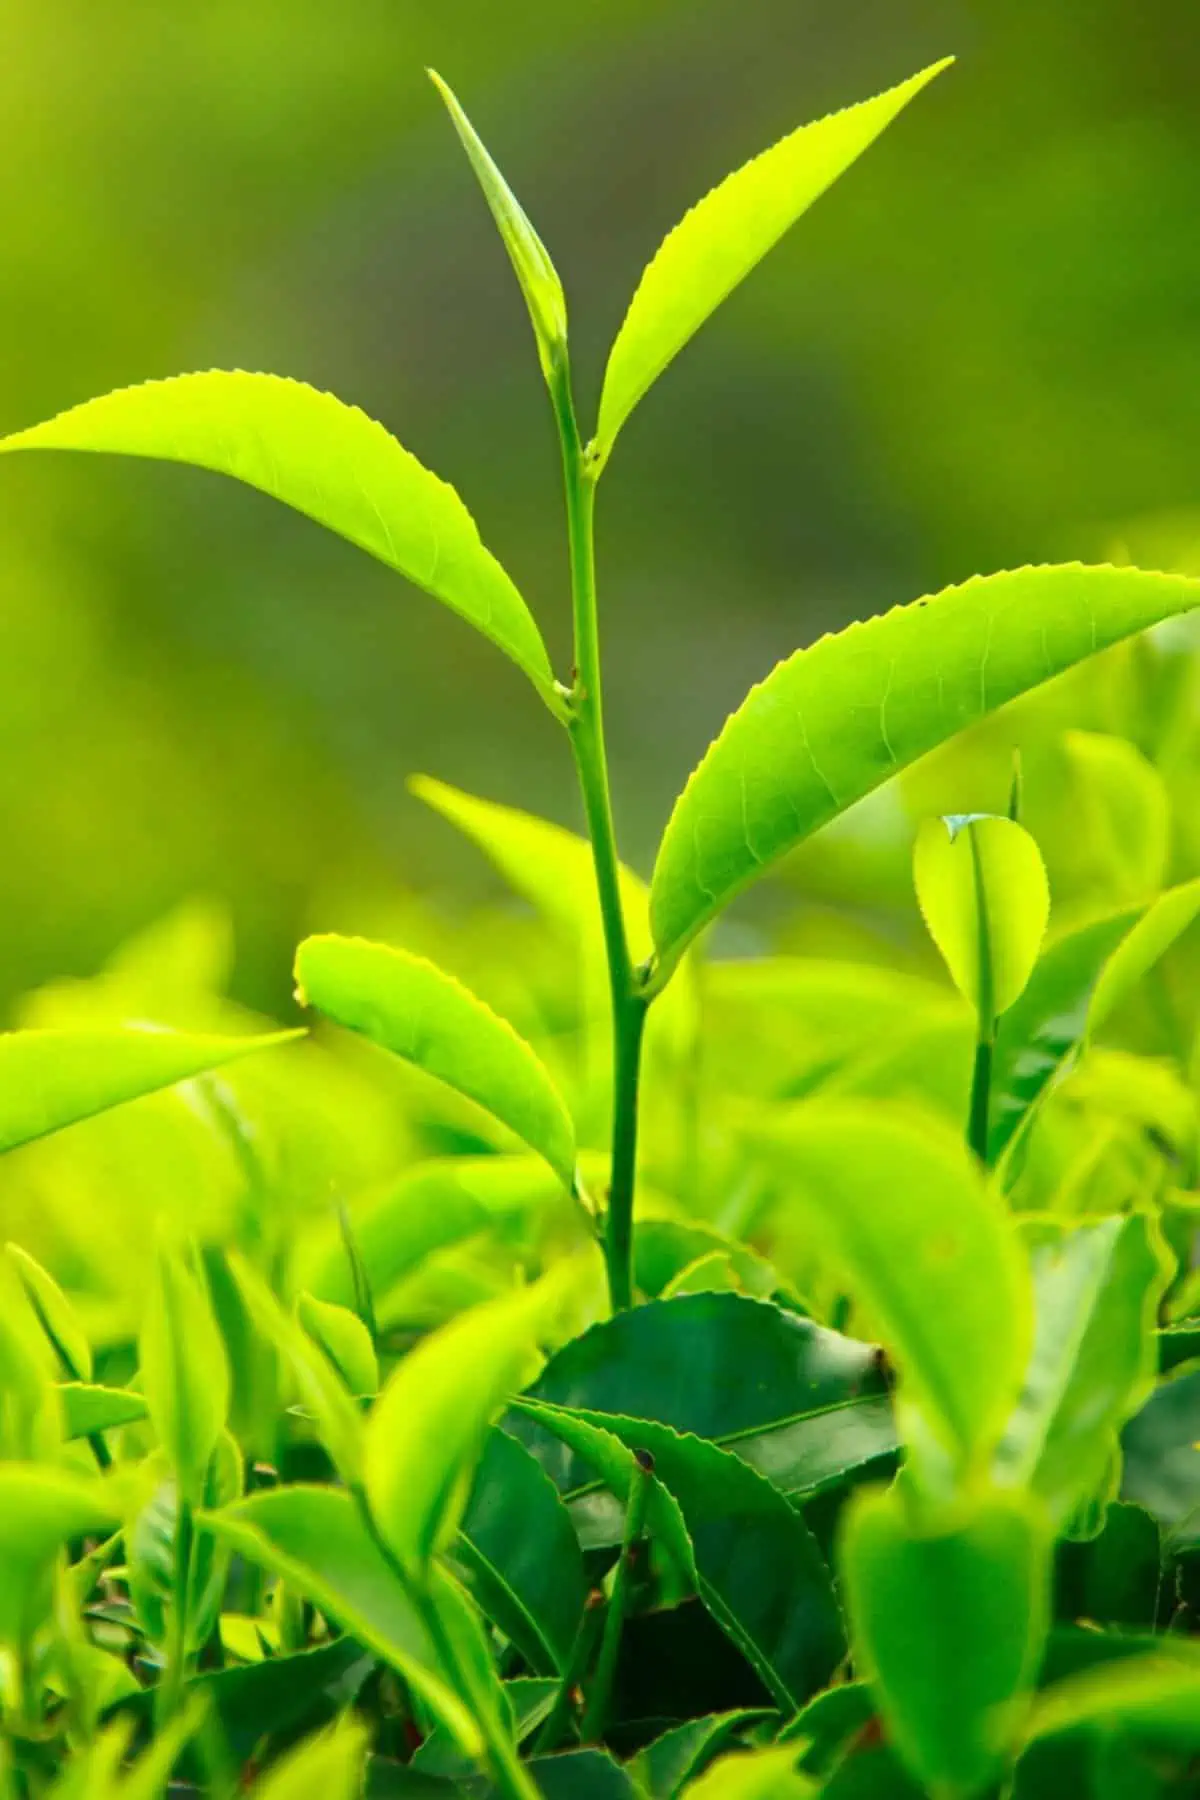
(596, 1357)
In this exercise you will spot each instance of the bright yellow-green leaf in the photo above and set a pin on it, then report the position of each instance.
(531, 260)
(427, 1428)
(1153, 934)
(329, 1765)
(55, 1314)
(753, 1775)
(948, 1618)
(423, 1015)
(1150, 1695)
(40, 1510)
(323, 1390)
(834, 721)
(329, 461)
(184, 1372)
(982, 886)
(1121, 813)
(49, 1079)
(723, 237)
(345, 1340)
(902, 1213)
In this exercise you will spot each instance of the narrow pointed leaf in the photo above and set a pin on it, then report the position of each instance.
(718, 243)
(87, 1408)
(315, 1538)
(982, 887)
(925, 1248)
(530, 259)
(329, 461)
(1097, 1289)
(1166, 919)
(427, 1429)
(51, 1079)
(55, 1315)
(834, 721)
(413, 1009)
(345, 1340)
(183, 1371)
(948, 1622)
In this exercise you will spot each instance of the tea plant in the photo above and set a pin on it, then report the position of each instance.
(869, 1466)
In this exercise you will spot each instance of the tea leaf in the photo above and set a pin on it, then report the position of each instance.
(330, 1764)
(520, 1557)
(428, 1426)
(50, 1079)
(183, 1370)
(530, 259)
(755, 1775)
(1157, 1696)
(41, 1508)
(670, 1361)
(315, 1537)
(88, 1409)
(1123, 813)
(982, 886)
(345, 1340)
(55, 1315)
(1097, 1288)
(949, 1617)
(426, 1017)
(1166, 919)
(682, 1754)
(723, 237)
(834, 721)
(935, 1264)
(1161, 1460)
(739, 1528)
(329, 461)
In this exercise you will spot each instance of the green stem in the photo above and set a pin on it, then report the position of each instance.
(981, 1094)
(170, 1687)
(586, 729)
(555, 1723)
(618, 1602)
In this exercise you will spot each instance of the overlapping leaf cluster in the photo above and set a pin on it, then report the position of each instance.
(607, 1366)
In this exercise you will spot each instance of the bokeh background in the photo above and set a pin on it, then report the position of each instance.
(983, 347)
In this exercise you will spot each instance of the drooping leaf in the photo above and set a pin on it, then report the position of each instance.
(427, 1429)
(183, 1371)
(837, 719)
(718, 243)
(329, 461)
(982, 886)
(315, 1538)
(87, 1409)
(345, 1340)
(754, 1562)
(1097, 1287)
(717, 1366)
(41, 1508)
(50, 1079)
(1078, 983)
(924, 1247)
(530, 259)
(55, 1315)
(1152, 1696)
(426, 1017)
(682, 1754)
(948, 1618)
(520, 1557)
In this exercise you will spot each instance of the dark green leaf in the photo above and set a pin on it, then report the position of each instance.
(1116, 1578)
(1162, 1462)
(680, 1755)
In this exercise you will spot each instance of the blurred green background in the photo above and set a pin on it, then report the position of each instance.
(980, 349)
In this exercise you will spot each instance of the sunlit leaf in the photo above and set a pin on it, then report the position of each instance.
(345, 1340)
(754, 1775)
(330, 1765)
(427, 1429)
(183, 1371)
(40, 1510)
(327, 460)
(949, 1616)
(1153, 934)
(683, 1753)
(49, 1079)
(426, 1017)
(1153, 1696)
(834, 721)
(1123, 813)
(1097, 1289)
(530, 259)
(55, 1315)
(87, 1408)
(983, 891)
(901, 1211)
(718, 243)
